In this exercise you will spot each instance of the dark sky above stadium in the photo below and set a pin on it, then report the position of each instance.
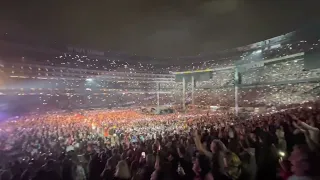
(161, 28)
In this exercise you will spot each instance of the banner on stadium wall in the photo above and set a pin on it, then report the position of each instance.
(85, 51)
(245, 67)
(191, 72)
(311, 60)
(271, 41)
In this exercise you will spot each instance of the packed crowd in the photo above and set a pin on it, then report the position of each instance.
(124, 144)
(102, 92)
(57, 80)
(251, 96)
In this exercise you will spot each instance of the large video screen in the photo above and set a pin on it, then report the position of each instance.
(198, 76)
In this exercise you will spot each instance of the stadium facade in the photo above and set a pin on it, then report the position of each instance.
(268, 73)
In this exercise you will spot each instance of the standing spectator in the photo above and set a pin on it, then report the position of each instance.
(122, 171)
(303, 164)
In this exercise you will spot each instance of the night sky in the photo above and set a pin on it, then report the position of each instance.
(160, 28)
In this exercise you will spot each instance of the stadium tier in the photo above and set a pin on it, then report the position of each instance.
(269, 73)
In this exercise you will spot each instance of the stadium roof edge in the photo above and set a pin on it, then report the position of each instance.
(233, 66)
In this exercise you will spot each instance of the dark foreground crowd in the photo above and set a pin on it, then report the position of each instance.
(283, 145)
